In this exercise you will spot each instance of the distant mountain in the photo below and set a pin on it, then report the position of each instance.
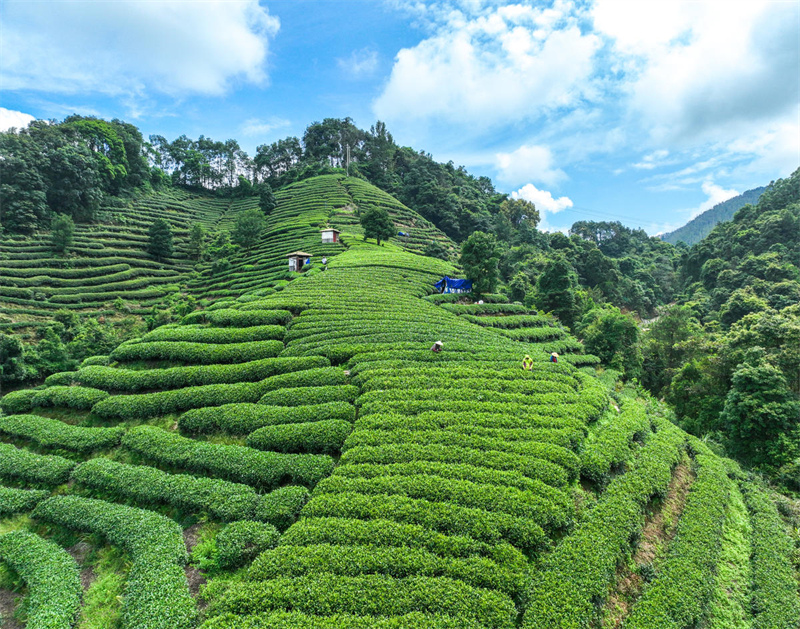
(700, 226)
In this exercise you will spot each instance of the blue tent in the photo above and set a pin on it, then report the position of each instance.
(451, 285)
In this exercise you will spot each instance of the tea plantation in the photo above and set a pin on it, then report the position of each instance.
(294, 455)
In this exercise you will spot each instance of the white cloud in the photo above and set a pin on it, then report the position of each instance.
(528, 162)
(704, 71)
(650, 161)
(716, 194)
(119, 48)
(256, 126)
(17, 119)
(360, 64)
(544, 202)
(491, 65)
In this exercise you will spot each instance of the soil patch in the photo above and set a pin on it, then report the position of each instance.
(8, 603)
(191, 536)
(659, 530)
(195, 578)
(79, 552)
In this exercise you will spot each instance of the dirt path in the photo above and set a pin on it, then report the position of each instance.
(8, 603)
(659, 530)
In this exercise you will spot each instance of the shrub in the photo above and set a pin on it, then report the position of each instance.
(612, 441)
(299, 620)
(14, 500)
(264, 470)
(156, 593)
(323, 437)
(197, 334)
(242, 419)
(241, 542)
(18, 401)
(79, 398)
(27, 467)
(375, 595)
(282, 506)
(303, 396)
(149, 486)
(51, 575)
(51, 433)
(197, 353)
(246, 318)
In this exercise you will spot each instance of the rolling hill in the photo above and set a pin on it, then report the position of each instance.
(297, 448)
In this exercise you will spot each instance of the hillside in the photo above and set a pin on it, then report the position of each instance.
(297, 447)
(700, 226)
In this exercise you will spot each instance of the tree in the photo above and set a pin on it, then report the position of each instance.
(555, 291)
(266, 200)
(249, 226)
(613, 337)
(435, 249)
(160, 244)
(63, 228)
(760, 415)
(377, 224)
(197, 241)
(480, 257)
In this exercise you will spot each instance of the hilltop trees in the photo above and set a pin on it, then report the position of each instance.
(377, 224)
(556, 291)
(479, 257)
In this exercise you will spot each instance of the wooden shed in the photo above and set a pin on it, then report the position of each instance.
(330, 235)
(298, 260)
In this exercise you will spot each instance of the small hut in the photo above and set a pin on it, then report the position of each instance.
(330, 235)
(451, 285)
(298, 260)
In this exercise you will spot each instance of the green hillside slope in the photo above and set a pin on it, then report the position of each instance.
(700, 226)
(311, 438)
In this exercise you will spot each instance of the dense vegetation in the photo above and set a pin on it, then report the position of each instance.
(289, 441)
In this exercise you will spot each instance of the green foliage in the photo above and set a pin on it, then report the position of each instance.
(556, 291)
(51, 433)
(774, 598)
(34, 469)
(197, 241)
(197, 353)
(241, 542)
(613, 337)
(14, 500)
(281, 506)
(760, 415)
(160, 242)
(263, 470)
(62, 230)
(51, 575)
(156, 547)
(323, 437)
(479, 257)
(249, 226)
(377, 224)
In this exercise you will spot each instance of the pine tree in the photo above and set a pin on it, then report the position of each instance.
(160, 244)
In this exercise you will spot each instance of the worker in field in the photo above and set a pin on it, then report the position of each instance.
(553, 357)
(437, 346)
(324, 263)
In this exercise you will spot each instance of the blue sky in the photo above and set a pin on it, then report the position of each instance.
(643, 111)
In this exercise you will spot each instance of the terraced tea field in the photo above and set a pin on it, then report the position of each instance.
(304, 454)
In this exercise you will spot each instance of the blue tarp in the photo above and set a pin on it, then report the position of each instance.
(451, 285)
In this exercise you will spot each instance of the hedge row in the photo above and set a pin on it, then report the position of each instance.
(388, 533)
(150, 486)
(51, 433)
(678, 596)
(263, 470)
(477, 421)
(321, 437)
(774, 600)
(135, 380)
(575, 577)
(201, 334)
(305, 396)
(27, 467)
(51, 575)
(79, 398)
(241, 318)
(197, 353)
(613, 441)
(281, 506)
(439, 516)
(485, 382)
(13, 500)
(375, 595)
(242, 419)
(156, 593)
(299, 620)
(545, 471)
(241, 542)
(548, 452)
(298, 561)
